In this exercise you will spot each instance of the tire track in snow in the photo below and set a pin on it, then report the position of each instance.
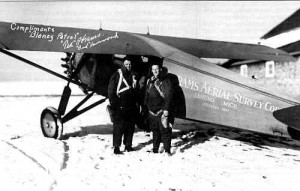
(34, 161)
(66, 155)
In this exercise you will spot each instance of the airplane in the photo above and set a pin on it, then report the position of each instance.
(204, 92)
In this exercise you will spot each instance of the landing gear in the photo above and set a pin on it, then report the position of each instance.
(51, 124)
(52, 120)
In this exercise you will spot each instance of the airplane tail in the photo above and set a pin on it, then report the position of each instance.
(291, 117)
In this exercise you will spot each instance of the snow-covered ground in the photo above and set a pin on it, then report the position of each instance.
(204, 157)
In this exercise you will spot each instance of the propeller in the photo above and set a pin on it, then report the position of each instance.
(68, 63)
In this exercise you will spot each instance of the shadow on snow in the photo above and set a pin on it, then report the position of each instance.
(189, 134)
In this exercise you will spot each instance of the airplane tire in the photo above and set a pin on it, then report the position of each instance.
(51, 124)
(294, 133)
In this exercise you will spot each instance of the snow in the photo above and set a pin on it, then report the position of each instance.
(204, 156)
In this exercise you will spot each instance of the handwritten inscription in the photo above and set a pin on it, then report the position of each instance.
(82, 42)
(76, 40)
(38, 32)
(31, 28)
(208, 93)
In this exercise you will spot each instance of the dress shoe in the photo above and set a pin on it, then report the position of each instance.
(155, 150)
(168, 153)
(117, 151)
(129, 149)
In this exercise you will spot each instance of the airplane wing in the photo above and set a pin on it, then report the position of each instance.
(31, 37)
(288, 24)
(220, 49)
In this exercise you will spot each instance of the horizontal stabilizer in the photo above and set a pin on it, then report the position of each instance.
(31, 37)
(289, 116)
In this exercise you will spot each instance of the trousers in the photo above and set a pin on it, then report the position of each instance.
(160, 133)
(123, 125)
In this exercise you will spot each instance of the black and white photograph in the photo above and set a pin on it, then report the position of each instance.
(149, 95)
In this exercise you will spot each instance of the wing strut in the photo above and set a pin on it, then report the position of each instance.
(40, 67)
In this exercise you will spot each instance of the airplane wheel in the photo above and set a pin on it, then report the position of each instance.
(51, 124)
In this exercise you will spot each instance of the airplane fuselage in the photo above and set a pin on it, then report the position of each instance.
(216, 95)
(209, 93)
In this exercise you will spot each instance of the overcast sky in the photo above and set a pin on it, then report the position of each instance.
(219, 20)
(236, 21)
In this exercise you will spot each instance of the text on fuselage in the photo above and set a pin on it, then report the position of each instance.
(207, 92)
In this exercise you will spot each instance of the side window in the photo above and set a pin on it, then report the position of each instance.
(244, 70)
(270, 69)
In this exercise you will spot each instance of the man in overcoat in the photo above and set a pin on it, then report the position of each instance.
(158, 98)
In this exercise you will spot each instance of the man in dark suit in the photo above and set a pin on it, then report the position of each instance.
(122, 100)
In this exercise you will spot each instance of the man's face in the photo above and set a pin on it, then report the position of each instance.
(127, 65)
(155, 70)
